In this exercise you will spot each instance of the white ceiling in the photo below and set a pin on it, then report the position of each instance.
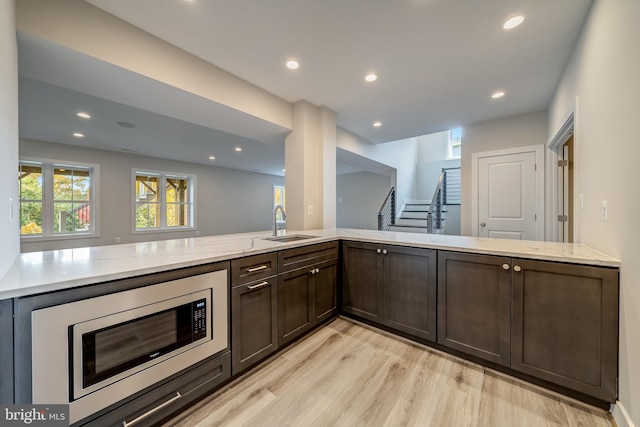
(438, 61)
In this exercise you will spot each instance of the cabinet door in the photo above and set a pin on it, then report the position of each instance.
(474, 305)
(410, 290)
(565, 325)
(6, 351)
(325, 291)
(294, 304)
(362, 280)
(254, 323)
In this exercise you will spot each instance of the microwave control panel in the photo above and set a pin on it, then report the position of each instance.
(199, 319)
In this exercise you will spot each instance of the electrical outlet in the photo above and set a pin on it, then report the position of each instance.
(197, 233)
(581, 201)
(310, 209)
(118, 240)
(605, 210)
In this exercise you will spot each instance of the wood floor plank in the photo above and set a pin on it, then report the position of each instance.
(347, 374)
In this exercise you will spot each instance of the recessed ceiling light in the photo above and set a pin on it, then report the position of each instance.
(212, 157)
(238, 149)
(371, 77)
(78, 135)
(513, 22)
(83, 115)
(377, 124)
(293, 65)
(498, 94)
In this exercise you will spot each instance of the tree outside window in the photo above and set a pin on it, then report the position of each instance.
(56, 199)
(163, 201)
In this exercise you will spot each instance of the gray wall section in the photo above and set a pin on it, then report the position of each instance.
(359, 197)
(510, 132)
(227, 200)
(6, 351)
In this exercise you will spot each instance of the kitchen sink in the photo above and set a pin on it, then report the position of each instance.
(291, 238)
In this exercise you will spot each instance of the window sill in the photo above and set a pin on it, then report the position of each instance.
(27, 239)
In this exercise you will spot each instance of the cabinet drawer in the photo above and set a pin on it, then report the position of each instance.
(249, 269)
(290, 259)
(170, 397)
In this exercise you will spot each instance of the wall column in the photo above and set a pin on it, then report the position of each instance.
(310, 163)
(9, 220)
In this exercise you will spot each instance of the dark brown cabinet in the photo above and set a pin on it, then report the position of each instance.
(565, 325)
(392, 285)
(254, 310)
(474, 305)
(307, 289)
(362, 281)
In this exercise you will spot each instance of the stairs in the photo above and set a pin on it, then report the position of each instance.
(413, 218)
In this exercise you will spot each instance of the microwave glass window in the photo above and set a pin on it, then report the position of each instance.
(132, 340)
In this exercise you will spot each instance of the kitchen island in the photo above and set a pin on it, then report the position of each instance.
(540, 311)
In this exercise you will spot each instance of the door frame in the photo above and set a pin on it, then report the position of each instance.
(540, 200)
(555, 179)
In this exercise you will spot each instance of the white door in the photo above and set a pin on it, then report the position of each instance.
(508, 192)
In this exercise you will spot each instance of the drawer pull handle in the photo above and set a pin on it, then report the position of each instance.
(151, 411)
(258, 286)
(254, 269)
(517, 268)
(505, 266)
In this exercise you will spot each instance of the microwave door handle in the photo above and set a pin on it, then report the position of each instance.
(151, 411)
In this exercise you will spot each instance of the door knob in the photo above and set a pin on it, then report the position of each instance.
(482, 224)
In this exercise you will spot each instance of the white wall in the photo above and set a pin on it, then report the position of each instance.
(359, 196)
(227, 200)
(603, 76)
(515, 131)
(400, 155)
(9, 222)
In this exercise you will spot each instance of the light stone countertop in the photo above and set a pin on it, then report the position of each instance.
(39, 272)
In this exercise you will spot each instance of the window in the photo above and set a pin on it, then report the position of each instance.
(454, 144)
(57, 199)
(278, 199)
(163, 201)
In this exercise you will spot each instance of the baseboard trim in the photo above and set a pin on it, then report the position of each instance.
(620, 415)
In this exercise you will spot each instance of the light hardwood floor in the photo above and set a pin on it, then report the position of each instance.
(347, 374)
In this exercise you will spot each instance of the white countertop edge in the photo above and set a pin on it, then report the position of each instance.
(48, 271)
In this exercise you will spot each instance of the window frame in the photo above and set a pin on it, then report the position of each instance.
(48, 201)
(163, 175)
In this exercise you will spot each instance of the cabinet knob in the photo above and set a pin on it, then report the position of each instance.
(317, 270)
(505, 266)
(517, 268)
(379, 251)
(483, 224)
(312, 271)
(384, 252)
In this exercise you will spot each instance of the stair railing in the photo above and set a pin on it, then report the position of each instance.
(387, 212)
(436, 206)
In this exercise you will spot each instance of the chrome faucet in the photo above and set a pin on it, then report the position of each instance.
(275, 218)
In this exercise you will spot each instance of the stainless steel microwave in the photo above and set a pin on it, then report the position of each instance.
(95, 352)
